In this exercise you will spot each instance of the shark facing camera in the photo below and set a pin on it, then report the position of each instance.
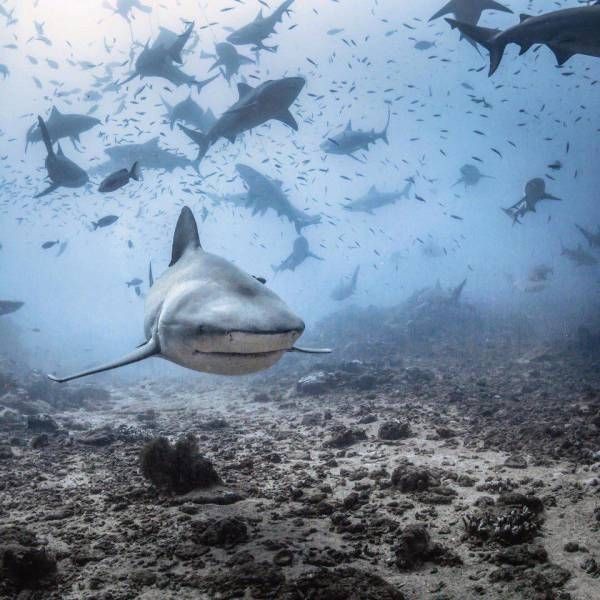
(207, 315)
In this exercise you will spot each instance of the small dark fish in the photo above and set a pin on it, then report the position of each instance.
(120, 178)
(105, 221)
(135, 282)
(47, 245)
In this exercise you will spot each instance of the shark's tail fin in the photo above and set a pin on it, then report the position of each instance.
(384, 132)
(445, 10)
(201, 140)
(284, 9)
(136, 171)
(492, 5)
(45, 136)
(144, 8)
(201, 84)
(488, 38)
(150, 348)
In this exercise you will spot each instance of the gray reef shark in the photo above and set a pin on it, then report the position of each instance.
(260, 29)
(535, 192)
(206, 314)
(375, 199)
(350, 141)
(62, 171)
(60, 126)
(345, 289)
(300, 253)
(189, 112)
(265, 193)
(579, 256)
(149, 155)
(230, 59)
(566, 32)
(255, 106)
(592, 238)
(471, 175)
(158, 61)
(9, 306)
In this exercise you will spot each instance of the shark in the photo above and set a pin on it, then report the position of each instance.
(471, 175)
(375, 199)
(345, 289)
(579, 256)
(62, 171)
(469, 11)
(125, 7)
(565, 32)
(300, 253)
(260, 29)
(592, 238)
(265, 193)
(189, 112)
(158, 61)
(206, 314)
(535, 192)
(230, 59)
(61, 126)
(9, 306)
(149, 155)
(255, 106)
(350, 141)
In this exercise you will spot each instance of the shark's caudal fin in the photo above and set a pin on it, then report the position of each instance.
(488, 38)
(177, 47)
(202, 141)
(151, 348)
(201, 84)
(383, 134)
(186, 235)
(445, 10)
(492, 5)
(136, 171)
(45, 136)
(48, 190)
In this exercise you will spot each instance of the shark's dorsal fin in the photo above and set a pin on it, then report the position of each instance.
(55, 111)
(259, 16)
(59, 150)
(372, 190)
(243, 89)
(349, 126)
(186, 235)
(524, 17)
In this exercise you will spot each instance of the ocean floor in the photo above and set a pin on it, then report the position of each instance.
(429, 478)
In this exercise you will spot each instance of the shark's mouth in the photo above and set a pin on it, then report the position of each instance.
(241, 354)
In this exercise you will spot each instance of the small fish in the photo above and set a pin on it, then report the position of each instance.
(47, 245)
(104, 221)
(120, 178)
(135, 282)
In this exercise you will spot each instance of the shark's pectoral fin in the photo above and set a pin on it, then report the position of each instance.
(561, 53)
(150, 348)
(48, 190)
(311, 350)
(445, 10)
(287, 118)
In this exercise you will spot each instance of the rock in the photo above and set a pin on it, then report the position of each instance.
(102, 436)
(22, 561)
(394, 430)
(179, 468)
(344, 437)
(213, 425)
(142, 577)
(414, 547)
(410, 478)
(6, 452)
(226, 532)
(344, 583)
(315, 384)
(42, 424)
(515, 461)
(522, 554)
(571, 547)
(40, 441)
(9, 418)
